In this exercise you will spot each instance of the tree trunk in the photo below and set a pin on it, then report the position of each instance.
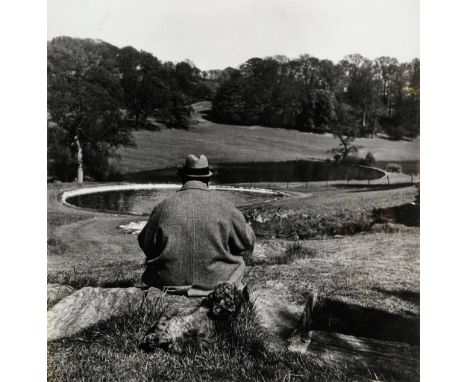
(137, 119)
(389, 110)
(373, 127)
(364, 118)
(79, 159)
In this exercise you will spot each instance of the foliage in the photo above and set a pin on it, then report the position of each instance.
(276, 93)
(59, 157)
(369, 160)
(305, 93)
(393, 167)
(83, 101)
(341, 222)
(343, 128)
(96, 91)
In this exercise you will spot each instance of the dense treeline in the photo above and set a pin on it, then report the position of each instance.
(356, 97)
(97, 92)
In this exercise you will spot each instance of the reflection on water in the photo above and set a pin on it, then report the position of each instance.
(142, 202)
(290, 171)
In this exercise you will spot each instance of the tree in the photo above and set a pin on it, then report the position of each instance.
(361, 89)
(344, 128)
(386, 69)
(228, 104)
(140, 82)
(300, 94)
(84, 96)
(176, 112)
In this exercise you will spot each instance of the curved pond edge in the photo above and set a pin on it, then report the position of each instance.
(153, 186)
(299, 170)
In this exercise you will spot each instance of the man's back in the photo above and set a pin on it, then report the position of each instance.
(194, 241)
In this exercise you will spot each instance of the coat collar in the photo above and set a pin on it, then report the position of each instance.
(194, 185)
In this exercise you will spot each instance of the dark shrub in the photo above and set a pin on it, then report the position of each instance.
(344, 222)
(369, 159)
(393, 167)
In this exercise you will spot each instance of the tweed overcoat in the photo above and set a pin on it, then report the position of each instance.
(195, 240)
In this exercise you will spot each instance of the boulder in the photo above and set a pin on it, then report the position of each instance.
(56, 292)
(87, 307)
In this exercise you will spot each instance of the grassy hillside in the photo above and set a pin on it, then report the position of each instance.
(227, 143)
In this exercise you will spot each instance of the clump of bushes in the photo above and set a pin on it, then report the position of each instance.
(393, 167)
(343, 222)
(368, 160)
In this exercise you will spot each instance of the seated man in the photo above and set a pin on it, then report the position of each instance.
(195, 239)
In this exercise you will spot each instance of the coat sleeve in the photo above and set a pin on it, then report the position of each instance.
(148, 238)
(242, 237)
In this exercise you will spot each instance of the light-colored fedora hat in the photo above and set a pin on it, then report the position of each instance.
(196, 167)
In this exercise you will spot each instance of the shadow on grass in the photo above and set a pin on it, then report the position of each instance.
(336, 316)
(374, 187)
(407, 214)
(402, 294)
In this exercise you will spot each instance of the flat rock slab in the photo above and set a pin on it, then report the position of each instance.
(56, 292)
(88, 306)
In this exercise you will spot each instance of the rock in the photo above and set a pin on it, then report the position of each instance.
(133, 228)
(56, 292)
(277, 316)
(87, 307)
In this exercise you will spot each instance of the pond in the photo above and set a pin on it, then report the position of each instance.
(254, 172)
(142, 201)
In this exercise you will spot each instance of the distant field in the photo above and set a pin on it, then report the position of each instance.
(227, 143)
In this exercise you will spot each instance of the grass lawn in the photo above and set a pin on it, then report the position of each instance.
(372, 271)
(90, 243)
(227, 143)
(376, 271)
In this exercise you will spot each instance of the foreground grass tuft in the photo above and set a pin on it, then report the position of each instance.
(112, 278)
(293, 252)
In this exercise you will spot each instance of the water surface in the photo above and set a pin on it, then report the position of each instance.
(142, 202)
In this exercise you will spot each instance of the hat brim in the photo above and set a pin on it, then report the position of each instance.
(181, 172)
